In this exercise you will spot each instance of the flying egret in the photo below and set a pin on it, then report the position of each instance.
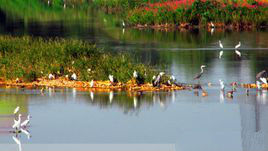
(27, 133)
(158, 79)
(17, 123)
(16, 110)
(26, 122)
(198, 76)
(222, 85)
(17, 141)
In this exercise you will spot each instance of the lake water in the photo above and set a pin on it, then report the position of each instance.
(190, 122)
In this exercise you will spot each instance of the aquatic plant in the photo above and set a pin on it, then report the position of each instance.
(29, 58)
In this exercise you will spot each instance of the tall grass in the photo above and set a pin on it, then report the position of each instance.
(30, 58)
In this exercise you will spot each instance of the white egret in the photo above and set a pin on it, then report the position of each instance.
(222, 85)
(138, 79)
(51, 76)
(111, 78)
(16, 110)
(26, 122)
(92, 95)
(27, 133)
(91, 84)
(17, 141)
(17, 122)
(264, 80)
(135, 74)
(123, 24)
(238, 45)
(157, 81)
(74, 76)
(212, 25)
(236, 51)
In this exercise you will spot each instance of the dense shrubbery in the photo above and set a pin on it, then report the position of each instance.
(195, 12)
(30, 58)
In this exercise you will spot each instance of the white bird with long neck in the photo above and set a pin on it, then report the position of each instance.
(26, 122)
(16, 110)
(17, 123)
(73, 77)
(236, 51)
(264, 80)
(200, 74)
(221, 52)
(111, 78)
(222, 85)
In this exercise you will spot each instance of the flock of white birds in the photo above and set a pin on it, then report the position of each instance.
(20, 127)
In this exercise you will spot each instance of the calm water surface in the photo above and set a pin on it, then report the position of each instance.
(190, 122)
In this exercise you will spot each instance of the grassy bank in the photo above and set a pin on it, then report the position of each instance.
(184, 13)
(30, 58)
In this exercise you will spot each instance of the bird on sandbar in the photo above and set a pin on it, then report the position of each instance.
(138, 78)
(157, 80)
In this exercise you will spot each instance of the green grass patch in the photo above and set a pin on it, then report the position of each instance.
(30, 58)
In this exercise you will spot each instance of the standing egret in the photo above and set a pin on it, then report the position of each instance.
(264, 80)
(221, 52)
(157, 80)
(198, 76)
(16, 110)
(112, 79)
(138, 78)
(222, 85)
(17, 123)
(26, 122)
(17, 141)
(212, 25)
(123, 24)
(74, 76)
(91, 84)
(236, 51)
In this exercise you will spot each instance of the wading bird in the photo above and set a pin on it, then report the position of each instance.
(16, 110)
(157, 80)
(171, 80)
(112, 79)
(27, 133)
(222, 85)
(139, 80)
(26, 122)
(17, 123)
(221, 52)
(212, 25)
(236, 51)
(73, 77)
(91, 84)
(198, 76)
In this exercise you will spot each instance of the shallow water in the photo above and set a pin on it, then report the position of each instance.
(69, 116)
